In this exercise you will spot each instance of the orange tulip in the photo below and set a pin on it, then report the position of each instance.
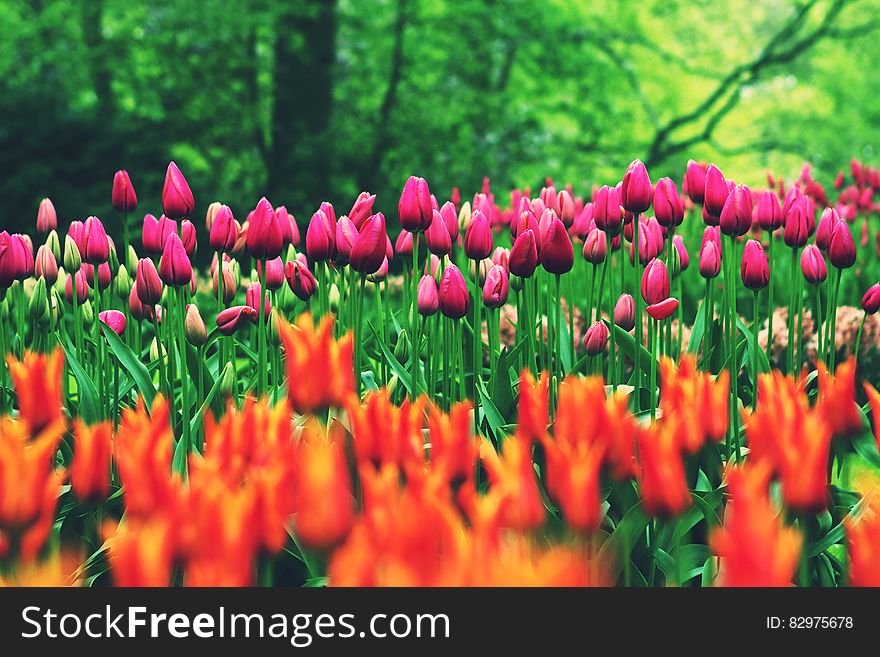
(142, 553)
(755, 546)
(512, 475)
(697, 399)
(385, 433)
(320, 370)
(324, 500)
(793, 439)
(863, 536)
(532, 421)
(37, 381)
(90, 471)
(661, 477)
(837, 395)
(453, 449)
(874, 401)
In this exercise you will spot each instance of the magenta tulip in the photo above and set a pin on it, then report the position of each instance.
(736, 215)
(663, 309)
(796, 231)
(252, 299)
(177, 198)
(813, 265)
(524, 254)
(625, 312)
(715, 192)
(175, 268)
(478, 237)
(754, 270)
(683, 258)
(437, 237)
(768, 213)
(496, 287)
(264, 237)
(830, 217)
(453, 294)
(595, 246)
(230, 319)
(188, 237)
(842, 249)
(596, 339)
(224, 232)
(149, 284)
(45, 265)
(557, 253)
(403, 245)
(274, 272)
(96, 246)
(655, 282)
(301, 281)
(47, 219)
(362, 209)
(114, 319)
(321, 237)
(565, 208)
(105, 276)
(428, 296)
(710, 260)
(668, 209)
(871, 299)
(695, 178)
(368, 251)
(346, 234)
(450, 218)
(415, 209)
(82, 287)
(123, 197)
(636, 189)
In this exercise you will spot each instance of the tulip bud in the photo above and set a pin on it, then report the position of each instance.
(871, 300)
(557, 253)
(47, 219)
(334, 299)
(696, 181)
(155, 348)
(496, 287)
(54, 245)
(655, 282)
(122, 284)
(715, 192)
(301, 281)
(595, 246)
(827, 221)
(403, 245)
(437, 236)
(264, 239)
(501, 256)
(82, 287)
(606, 210)
(668, 209)
(114, 319)
(362, 208)
(662, 310)
(680, 253)
(346, 234)
(211, 215)
(464, 217)
(625, 312)
(796, 231)
(38, 305)
(230, 319)
(736, 214)
(768, 214)
(414, 209)
(149, 284)
(123, 197)
(273, 276)
(252, 299)
(478, 237)
(754, 270)
(228, 279)
(453, 295)
(368, 250)
(565, 208)
(710, 260)
(524, 254)
(428, 298)
(97, 247)
(842, 249)
(174, 267)
(88, 314)
(401, 347)
(194, 326)
(636, 188)
(227, 381)
(813, 265)
(596, 339)
(177, 198)
(321, 237)
(45, 266)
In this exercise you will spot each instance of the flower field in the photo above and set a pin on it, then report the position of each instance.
(640, 384)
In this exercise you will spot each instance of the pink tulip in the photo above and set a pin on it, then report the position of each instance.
(478, 237)
(736, 215)
(289, 229)
(683, 258)
(321, 237)
(437, 236)
(362, 209)
(496, 287)
(813, 265)
(625, 312)
(274, 272)
(696, 181)
(105, 276)
(82, 287)
(301, 281)
(96, 246)
(177, 198)
(114, 319)
(264, 238)
(428, 296)
(668, 209)
(45, 265)
(175, 268)
(403, 245)
(842, 249)
(596, 339)
(829, 219)
(606, 210)
(754, 270)
(796, 231)
(228, 283)
(715, 192)
(47, 219)
(662, 310)
(710, 260)
(636, 189)
(524, 254)
(252, 299)
(595, 246)
(415, 209)
(138, 310)
(557, 253)
(188, 237)
(123, 198)
(346, 234)
(453, 295)
(450, 218)
(223, 232)
(768, 214)
(148, 282)
(368, 251)
(501, 256)
(871, 299)
(655, 282)
(230, 319)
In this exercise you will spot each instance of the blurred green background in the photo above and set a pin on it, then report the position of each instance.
(306, 100)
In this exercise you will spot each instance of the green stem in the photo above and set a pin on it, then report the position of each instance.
(477, 363)
(358, 336)
(770, 307)
(637, 277)
(184, 380)
(859, 337)
(653, 338)
(755, 354)
(791, 312)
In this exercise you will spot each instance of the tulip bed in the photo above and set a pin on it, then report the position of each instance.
(471, 404)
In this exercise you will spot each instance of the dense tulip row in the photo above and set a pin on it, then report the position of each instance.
(339, 421)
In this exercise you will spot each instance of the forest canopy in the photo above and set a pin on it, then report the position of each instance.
(306, 100)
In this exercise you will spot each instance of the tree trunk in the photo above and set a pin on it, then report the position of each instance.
(299, 156)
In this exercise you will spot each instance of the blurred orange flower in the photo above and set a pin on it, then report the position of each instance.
(662, 481)
(755, 546)
(90, 470)
(697, 399)
(320, 370)
(863, 536)
(837, 399)
(37, 381)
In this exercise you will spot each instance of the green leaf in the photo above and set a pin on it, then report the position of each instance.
(490, 412)
(502, 387)
(195, 364)
(199, 417)
(625, 537)
(86, 393)
(763, 363)
(697, 330)
(179, 461)
(395, 365)
(132, 364)
(627, 344)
